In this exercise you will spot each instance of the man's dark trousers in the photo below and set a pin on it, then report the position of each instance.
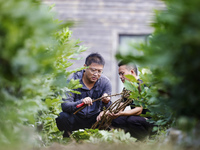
(137, 126)
(70, 122)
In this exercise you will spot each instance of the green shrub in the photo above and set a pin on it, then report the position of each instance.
(172, 54)
(34, 55)
(102, 136)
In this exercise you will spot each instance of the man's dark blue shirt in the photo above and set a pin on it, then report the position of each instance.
(102, 86)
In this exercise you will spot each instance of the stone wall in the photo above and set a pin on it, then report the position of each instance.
(100, 22)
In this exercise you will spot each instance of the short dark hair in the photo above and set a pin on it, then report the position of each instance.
(94, 58)
(129, 66)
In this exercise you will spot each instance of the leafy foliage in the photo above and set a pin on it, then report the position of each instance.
(59, 86)
(172, 55)
(23, 42)
(34, 56)
(99, 136)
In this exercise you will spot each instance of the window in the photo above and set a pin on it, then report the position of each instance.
(127, 44)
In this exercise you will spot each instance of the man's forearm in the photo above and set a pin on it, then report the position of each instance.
(136, 111)
(70, 106)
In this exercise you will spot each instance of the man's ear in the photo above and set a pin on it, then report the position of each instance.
(133, 72)
(85, 65)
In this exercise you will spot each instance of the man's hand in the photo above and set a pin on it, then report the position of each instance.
(87, 101)
(114, 116)
(106, 99)
(100, 115)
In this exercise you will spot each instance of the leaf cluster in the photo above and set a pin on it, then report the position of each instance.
(172, 55)
(100, 136)
(69, 49)
(34, 57)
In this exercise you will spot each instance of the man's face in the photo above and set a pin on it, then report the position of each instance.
(122, 70)
(93, 73)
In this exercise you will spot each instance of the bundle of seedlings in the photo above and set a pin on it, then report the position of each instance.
(117, 106)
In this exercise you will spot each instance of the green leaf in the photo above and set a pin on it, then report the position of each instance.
(131, 78)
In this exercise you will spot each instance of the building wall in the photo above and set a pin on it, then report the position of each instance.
(100, 22)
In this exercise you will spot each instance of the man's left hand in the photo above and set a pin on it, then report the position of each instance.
(106, 99)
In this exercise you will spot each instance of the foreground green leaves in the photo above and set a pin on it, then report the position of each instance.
(101, 136)
(172, 55)
(34, 55)
(25, 32)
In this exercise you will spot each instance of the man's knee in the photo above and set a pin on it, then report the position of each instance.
(137, 120)
(63, 115)
(62, 120)
(120, 121)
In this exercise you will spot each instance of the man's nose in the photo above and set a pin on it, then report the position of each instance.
(96, 73)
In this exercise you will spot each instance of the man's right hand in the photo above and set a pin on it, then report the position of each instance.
(87, 100)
